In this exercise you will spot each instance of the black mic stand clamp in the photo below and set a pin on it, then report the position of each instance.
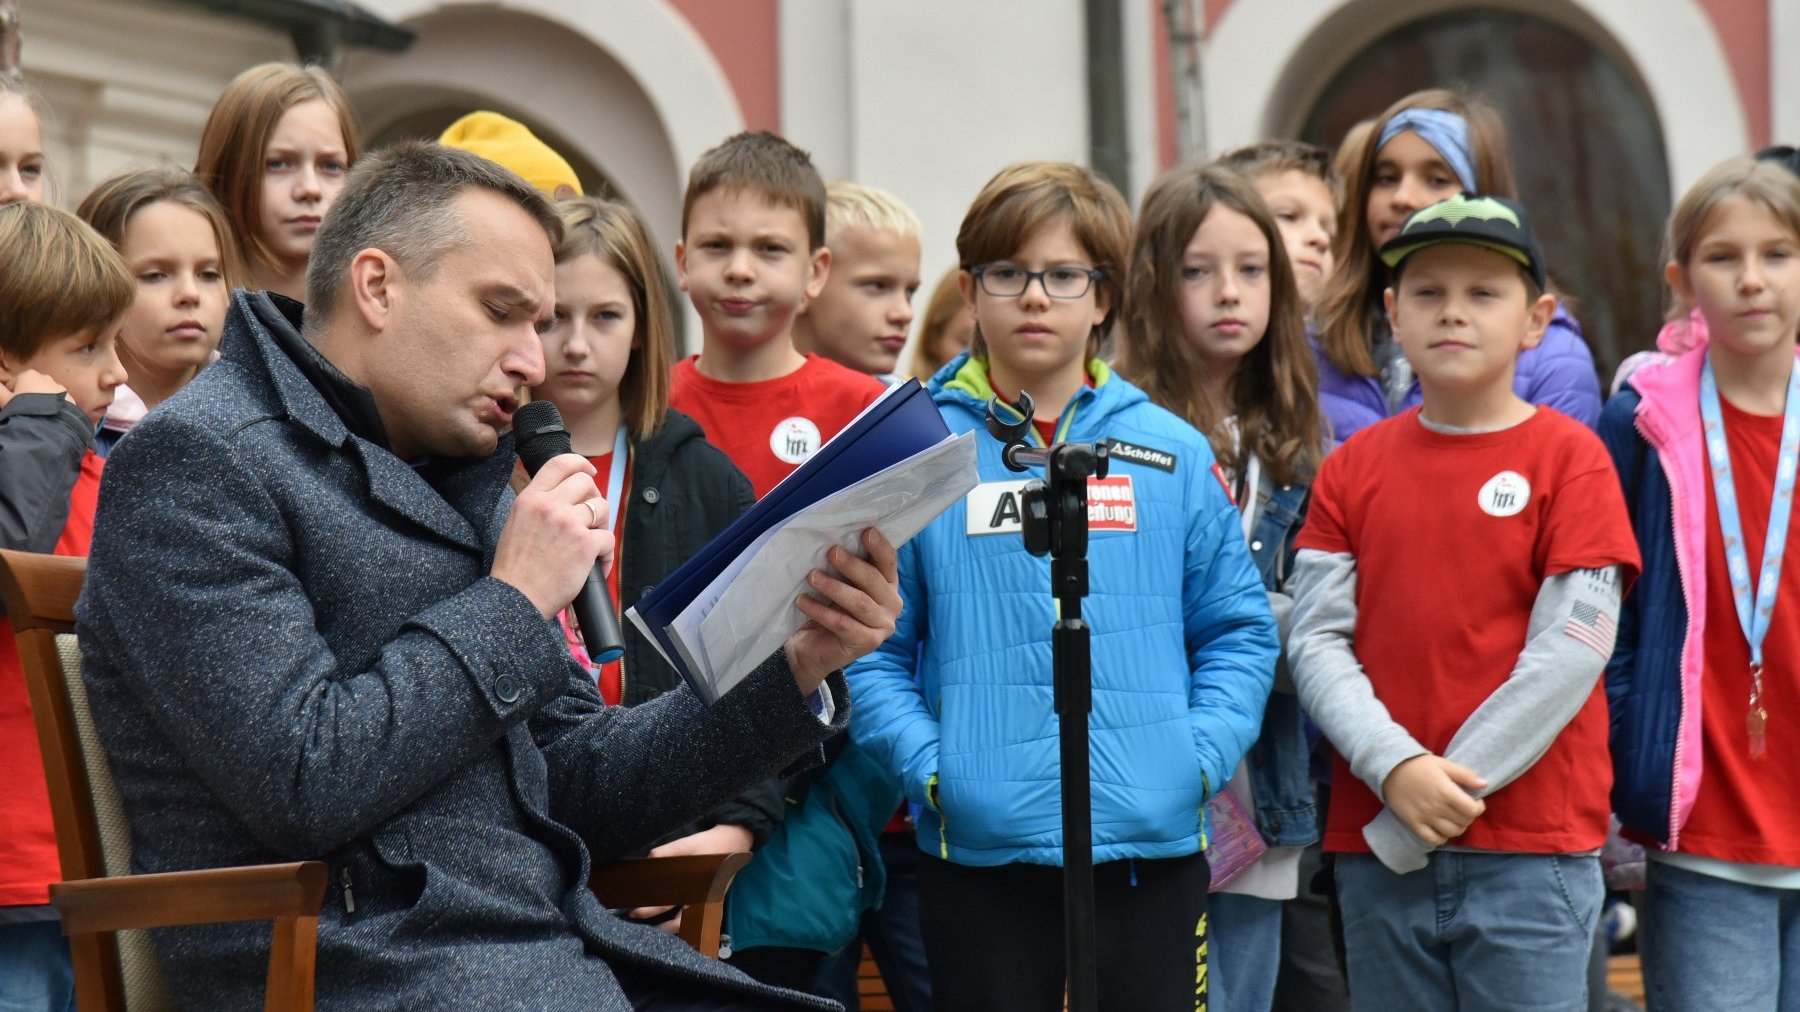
(1055, 521)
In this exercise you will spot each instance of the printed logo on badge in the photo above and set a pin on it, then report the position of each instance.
(1112, 504)
(794, 439)
(996, 507)
(1505, 494)
(1162, 460)
(999, 507)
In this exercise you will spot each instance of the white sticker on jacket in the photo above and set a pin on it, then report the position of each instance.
(999, 507)
(1505, 494)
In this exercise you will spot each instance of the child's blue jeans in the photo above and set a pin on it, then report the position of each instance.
(1471, 931)
(1710, 943)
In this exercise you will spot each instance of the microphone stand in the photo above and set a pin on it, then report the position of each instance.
(1055, 520)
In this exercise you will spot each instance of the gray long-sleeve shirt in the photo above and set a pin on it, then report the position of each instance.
(42, 439)
(1506, 734)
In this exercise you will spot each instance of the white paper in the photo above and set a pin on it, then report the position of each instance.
(748, 612)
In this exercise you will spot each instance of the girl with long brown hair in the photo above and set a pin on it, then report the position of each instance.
(1427, 147)
(275, 151)
(1214, 330)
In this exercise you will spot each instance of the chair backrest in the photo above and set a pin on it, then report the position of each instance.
(114, 971)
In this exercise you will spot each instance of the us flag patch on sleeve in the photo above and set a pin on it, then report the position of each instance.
(1592, 627)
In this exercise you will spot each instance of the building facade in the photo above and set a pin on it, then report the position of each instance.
(1614, 105)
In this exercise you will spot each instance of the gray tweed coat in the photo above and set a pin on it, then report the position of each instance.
(294, 652)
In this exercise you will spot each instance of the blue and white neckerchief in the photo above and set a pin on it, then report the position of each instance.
(1753, 612)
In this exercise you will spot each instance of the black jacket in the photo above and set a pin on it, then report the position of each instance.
(684, 491)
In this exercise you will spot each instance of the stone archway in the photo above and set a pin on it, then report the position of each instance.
(630, 90)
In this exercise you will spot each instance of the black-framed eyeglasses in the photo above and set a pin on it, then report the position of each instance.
(1009, 281)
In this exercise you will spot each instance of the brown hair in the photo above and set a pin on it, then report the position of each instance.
(1268, 158)
(1275, 391)
(402, 201)
(1353, 292)
(1766, 184)
(61, 278)
(110, 206)
(945, 302)
(760, 162)
(614, 233)
(1023, 198)
(236, 135)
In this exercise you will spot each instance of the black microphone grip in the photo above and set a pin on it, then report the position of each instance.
(539, 432)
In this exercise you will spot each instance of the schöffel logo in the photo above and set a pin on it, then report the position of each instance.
(1158, 459)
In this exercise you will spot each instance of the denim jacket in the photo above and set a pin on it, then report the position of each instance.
(1279, 774)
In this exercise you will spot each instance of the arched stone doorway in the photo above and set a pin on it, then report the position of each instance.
(627, 92)
(1587, 147)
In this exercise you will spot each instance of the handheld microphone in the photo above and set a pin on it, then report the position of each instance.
(538, 430)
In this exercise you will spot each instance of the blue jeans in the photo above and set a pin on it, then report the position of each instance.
(1709, 943)
(1470, 932)
(1245, 952)
(35, 974)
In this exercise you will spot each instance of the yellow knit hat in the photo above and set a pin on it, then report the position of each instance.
(508, 143)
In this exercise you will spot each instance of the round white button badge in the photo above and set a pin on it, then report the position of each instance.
(1505, 494)
(794, 439)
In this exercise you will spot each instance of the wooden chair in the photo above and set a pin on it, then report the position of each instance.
(699, 882)
(105, 909)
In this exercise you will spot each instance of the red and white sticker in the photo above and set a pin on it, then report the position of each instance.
(1112, 504)
(997, 507)
(1505, 494)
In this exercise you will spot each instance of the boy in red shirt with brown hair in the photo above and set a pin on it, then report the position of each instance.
(752, 255)
(1457, 593)
(63, 295)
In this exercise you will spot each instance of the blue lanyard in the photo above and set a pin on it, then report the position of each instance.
(614, 478)
(1753, 613)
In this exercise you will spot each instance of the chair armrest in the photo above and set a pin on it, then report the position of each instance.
(206, 896)
(661, 881)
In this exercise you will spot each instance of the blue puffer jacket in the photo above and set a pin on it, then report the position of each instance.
(1558, 373)
(958, 701)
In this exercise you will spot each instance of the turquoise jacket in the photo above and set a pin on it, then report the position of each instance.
(958, 701)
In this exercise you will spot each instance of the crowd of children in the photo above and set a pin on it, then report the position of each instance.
(1376, 587)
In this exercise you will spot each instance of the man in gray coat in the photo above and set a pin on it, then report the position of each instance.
(317, 625)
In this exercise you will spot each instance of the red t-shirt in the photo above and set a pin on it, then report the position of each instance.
(1453, 537)
(1746, 808)
(769, 428)
(28, 860)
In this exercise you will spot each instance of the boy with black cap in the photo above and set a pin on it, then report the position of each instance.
(1457, 588)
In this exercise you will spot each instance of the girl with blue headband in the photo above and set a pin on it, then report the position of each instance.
(1427, 147)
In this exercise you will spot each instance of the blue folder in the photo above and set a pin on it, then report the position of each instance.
(905, 422)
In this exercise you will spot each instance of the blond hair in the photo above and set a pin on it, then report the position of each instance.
(853, 205)
(237, 132)
(1765, 184)
(1023, 198)
(1353, 291)
(614, 233)
(61, 278)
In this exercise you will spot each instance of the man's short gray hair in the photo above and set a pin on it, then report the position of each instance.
(402, 201)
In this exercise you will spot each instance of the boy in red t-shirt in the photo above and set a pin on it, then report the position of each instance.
(752, 254)
(1457, 592)
(63, 296)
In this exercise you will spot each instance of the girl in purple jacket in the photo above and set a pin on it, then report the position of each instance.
(1427, 147)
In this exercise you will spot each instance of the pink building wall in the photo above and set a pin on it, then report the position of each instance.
(745, 37)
